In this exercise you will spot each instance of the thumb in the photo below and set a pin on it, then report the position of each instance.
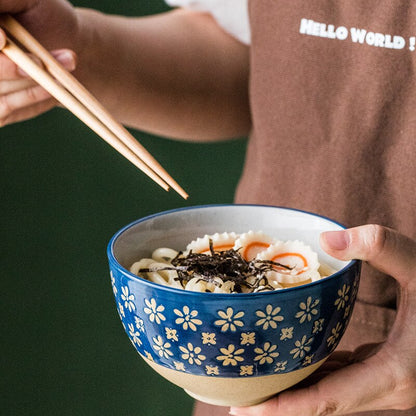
(349, 390)
(383, 248)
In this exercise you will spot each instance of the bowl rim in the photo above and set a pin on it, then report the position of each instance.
(112, 258)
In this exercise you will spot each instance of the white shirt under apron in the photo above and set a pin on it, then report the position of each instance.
(231, 15)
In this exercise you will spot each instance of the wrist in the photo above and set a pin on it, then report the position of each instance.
(94, 48)
(82, 42)
(85, 43)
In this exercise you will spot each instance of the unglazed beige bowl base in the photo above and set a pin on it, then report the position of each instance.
(224, 391)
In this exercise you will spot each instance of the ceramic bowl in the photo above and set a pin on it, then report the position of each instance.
(231, 349)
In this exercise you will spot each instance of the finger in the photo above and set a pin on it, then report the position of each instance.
(335, 361)
(10, 71)
(348, 390)
(315, 378)
(29, 112)
(66, 57)
(338, 360)
(7, 87)
(19, 100)
(383, 248)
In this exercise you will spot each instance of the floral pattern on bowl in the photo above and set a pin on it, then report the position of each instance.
(231, 349)
(245, 334)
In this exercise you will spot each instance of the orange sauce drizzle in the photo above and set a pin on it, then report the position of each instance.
(252, 245)
(282, 255)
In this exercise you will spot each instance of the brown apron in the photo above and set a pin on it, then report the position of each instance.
(333, 98)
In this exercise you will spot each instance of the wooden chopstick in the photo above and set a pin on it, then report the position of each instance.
(66, 99)
(76, 98)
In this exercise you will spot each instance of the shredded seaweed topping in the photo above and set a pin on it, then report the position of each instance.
(228, 265)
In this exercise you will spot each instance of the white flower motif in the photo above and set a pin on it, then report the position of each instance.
(347, 311)
(113, 283)
(212, 370)
(248, 338)
(187, 318)
(286, 333)
(246, 370)
(355, 286)
(135, 335)
(269, 317)
(208, 338)
(343, 297)
(229, 321)
(230, 355)
(307, 310)
(162, 348)
(139, 323)
(280, 366)
(308, 360)
(318, 325)
(179, 366)
(192, 354)
(267, 354)
(154, 311)
(171, 334)
(335, 332)
(148, 356)
(121, 310)
(301, 347)
(128, 298)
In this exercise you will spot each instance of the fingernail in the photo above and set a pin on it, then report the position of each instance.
(66, 58)
(337, 240)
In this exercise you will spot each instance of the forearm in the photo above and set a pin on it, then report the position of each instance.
(175, 74)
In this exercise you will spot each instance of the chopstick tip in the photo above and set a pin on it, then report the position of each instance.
(182, 193)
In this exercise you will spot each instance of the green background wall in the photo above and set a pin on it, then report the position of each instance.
(64, 193)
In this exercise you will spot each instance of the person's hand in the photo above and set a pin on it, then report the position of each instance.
(374, 377)
(20, 97)
(54, 24)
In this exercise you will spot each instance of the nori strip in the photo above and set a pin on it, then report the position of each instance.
(228, 265)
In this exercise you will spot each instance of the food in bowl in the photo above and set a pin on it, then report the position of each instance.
(231, 348)
(233, 263)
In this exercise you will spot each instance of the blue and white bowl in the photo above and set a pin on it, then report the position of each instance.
(231, 349)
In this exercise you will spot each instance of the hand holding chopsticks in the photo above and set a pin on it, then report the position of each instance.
(76, 98)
